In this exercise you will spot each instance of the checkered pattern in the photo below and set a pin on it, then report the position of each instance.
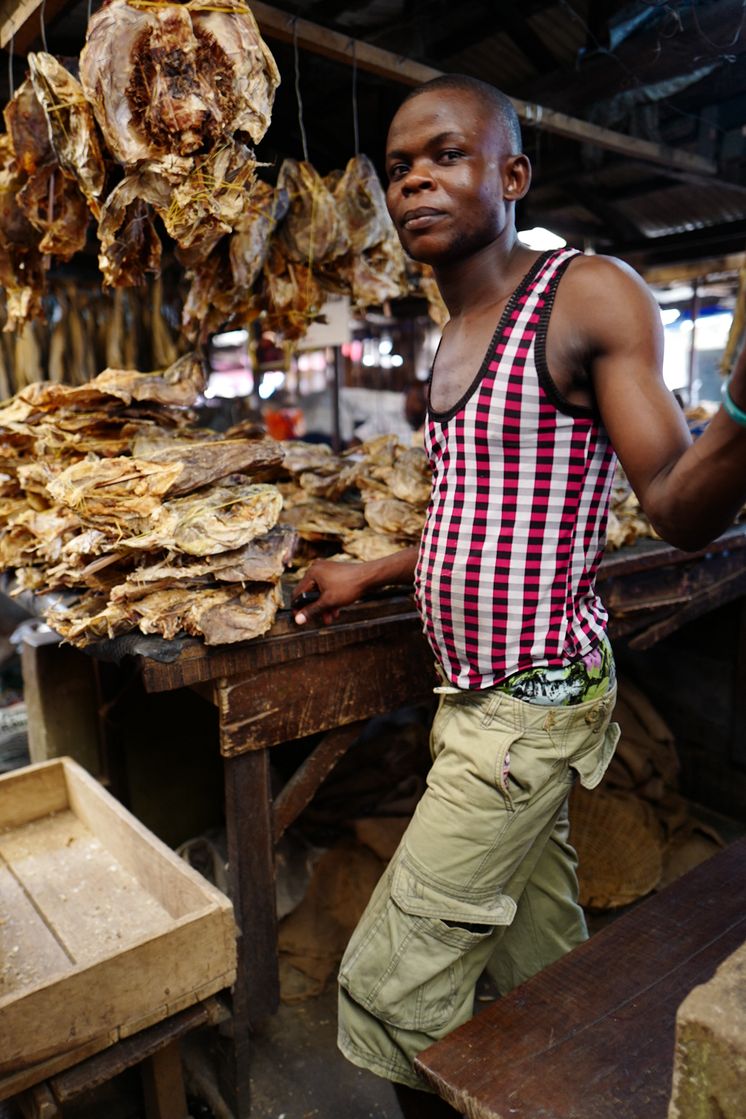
(517, 523)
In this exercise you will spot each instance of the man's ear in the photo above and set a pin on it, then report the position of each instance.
(516, 177)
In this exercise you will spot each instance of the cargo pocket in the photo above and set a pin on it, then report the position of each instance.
(408, 967)
(591, 765)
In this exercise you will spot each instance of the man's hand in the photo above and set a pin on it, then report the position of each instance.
(340, 583)
(335, 584)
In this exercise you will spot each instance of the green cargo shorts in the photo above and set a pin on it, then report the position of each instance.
(484, 878)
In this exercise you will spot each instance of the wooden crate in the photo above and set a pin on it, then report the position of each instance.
(103, 929)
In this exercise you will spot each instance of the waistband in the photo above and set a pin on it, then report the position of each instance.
(523, 715)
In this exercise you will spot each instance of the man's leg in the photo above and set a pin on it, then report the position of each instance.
(549, 922)
(409, 973)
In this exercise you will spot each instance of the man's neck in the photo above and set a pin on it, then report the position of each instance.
(485, 278)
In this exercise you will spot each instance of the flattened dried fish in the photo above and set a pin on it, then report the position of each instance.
(395, 517)
(72, 129)
(171, 79)
(224, 518)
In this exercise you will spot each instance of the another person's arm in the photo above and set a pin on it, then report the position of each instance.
(340, 584)
(690, 491)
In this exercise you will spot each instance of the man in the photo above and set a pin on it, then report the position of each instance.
(546, 363)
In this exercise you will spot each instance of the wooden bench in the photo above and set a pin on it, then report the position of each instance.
(592, 1036)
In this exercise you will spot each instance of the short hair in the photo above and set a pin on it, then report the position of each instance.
(490, 96)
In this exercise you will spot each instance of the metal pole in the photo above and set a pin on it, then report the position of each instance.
(692, 399)
(336, 430)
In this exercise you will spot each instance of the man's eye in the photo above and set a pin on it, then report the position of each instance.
(397, 170)
(450, 155)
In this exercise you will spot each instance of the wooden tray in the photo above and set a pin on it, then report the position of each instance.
(103, 929)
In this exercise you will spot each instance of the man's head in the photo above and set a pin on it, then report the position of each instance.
(492, 100)
(455, 168)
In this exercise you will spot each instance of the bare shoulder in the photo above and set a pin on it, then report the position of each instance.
(607, 299)
(603, 274)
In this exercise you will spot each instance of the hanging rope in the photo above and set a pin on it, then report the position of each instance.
(89, 10)
(11, 85)
(43, 25)
(355, 124)
(297, 90)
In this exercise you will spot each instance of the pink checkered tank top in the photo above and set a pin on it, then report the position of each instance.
(516, 526)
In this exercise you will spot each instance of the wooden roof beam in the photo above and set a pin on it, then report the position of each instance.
(20, 18)
(320, 40)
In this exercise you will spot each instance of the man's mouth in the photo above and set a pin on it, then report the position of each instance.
(421, 218)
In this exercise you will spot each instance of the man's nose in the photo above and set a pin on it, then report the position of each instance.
(416, 180)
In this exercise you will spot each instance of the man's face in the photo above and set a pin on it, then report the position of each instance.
(448, 162)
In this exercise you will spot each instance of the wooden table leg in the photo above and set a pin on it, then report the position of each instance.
(256, 995)
(163, 1084)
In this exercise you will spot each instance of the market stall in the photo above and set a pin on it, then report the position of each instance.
(271, 689)
(159, 192)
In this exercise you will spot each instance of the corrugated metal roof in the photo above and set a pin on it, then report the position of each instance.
(684, 207)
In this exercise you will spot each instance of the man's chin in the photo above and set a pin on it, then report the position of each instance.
(426, 254)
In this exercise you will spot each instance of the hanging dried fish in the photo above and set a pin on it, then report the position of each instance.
(58, 342)
(5, 381)
(27, 364)
(164, 349)
(291, 297)
(129, 244)
(22, 266)
(115, 333)
(72, 129)
(170, 79)
(211, 200)
(313, 231)
(220, 286)
(249, 244)
(50, 199)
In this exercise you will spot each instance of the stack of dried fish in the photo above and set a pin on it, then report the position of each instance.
(627, 522)
(362, 504)
(109, 491)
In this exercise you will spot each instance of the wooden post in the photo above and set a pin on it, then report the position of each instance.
(59, 688)
(163, 1084)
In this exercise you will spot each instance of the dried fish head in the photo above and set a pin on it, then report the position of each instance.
(129, 243)
(360, 197)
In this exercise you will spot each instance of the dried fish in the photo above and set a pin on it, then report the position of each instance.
(221, 519)
(72, 129)
(313, 231)
(170, 79)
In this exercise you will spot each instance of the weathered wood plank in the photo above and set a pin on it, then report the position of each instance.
(594, 1032)
(256, 993)
(299, 698)
(286, 641)
(95, 1071)
(301, 787)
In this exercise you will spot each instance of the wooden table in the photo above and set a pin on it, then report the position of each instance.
(296, 681)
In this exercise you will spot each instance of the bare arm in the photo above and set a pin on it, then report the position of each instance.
(691, 492)
(340, 584)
